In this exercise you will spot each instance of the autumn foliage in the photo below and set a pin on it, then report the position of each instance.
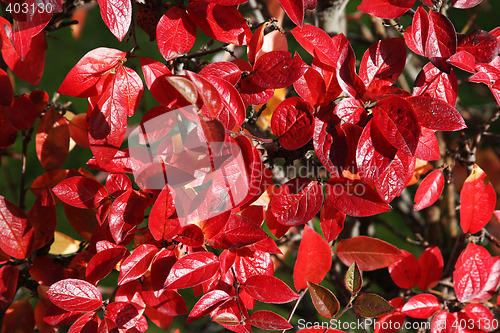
(262, 174)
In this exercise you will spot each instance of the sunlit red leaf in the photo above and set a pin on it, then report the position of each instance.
(15, 230)
(434, 83)
(175, 33)
(137, 263)
(354, 198)
(297, 201)
(477, 201)
(223, 23)
(223, 70)
(441, 41)
(345, 67)
(369, 253)
(294, 9)
(160, 225)
(384, 8)
(421, 306)
(292, 122)
(332, 221)
(268, 320)
(207, 303)
(30, 68)
(86, 323)
(191, 270)
(374, 153)
(398, 123)
(429, 190)
(277, 69)
(269, 289)
(431, 267)
(476, 275)
(405, 272)
(313, 260)
(324, 300)
(82, 79)
(238, 231)
(416, 35)
(117, 15)
(465, 3)
(101, 264)
(75, 295)
(481, 316)
(81, 192)
(52, 140)
(167, 302)
(428, 145)
(316, 42)
(383, 62)
(233, 111)
(436, 114)
(349, 110)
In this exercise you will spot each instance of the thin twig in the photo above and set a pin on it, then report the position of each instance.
(301, 295)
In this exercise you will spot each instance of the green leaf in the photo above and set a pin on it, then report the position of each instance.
(371, 305)
(324, 300)
(353, 279)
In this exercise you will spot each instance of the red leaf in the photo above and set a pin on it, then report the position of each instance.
(313, 260)
(429, 190)
(463, 60)
(393, 181)
(441, 41)
(477, 201)
(431, 268)
(16, 230)
(175, 33)
(277, 69)
(223, 70)
(6, 92)
(75, 295)
(223, 23)
(152, 70)
(30, 68)
(123, 314)
(416, 35)
(332, 221)
(421, 306)
(82, 79)
(428, 145)
(398, 123)
(349, 110)
(159, 224)
(8, 284)
(369, 253)
(117, 15)
(434, 83)
(406, 271)
(354, 198)
(252, 262)
(294, 9)
(23, 113)
(233, 111)
(385, 8)
(292, 122)
(88, 322)
(137, 263)
(383, 62)
(212, 101)
(311, 87)
(52, 140)
(191, 270)
(19, 317)
(167, 302)
(101, 264)
(269, 289)
(126, 212)
(255, 44)
(476, 275)
(268, 320)
(436, 114)
(345, 67)
(81, 192)
(481, 316)
(316, 42)
(374, 153)
(207, 303)
(465, 3)
(297, 201)
(238, 231)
